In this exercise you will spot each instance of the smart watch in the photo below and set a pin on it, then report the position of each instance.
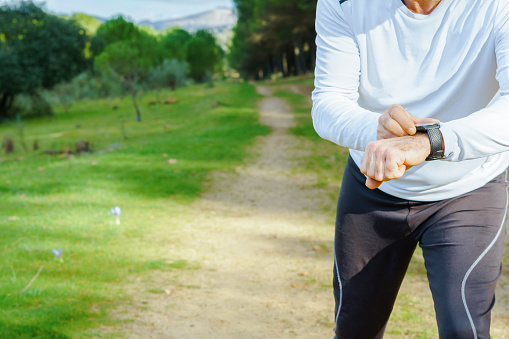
(435, 139)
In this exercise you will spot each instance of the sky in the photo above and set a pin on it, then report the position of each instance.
(137, 10)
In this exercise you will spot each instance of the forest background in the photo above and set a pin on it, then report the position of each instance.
(47, 60)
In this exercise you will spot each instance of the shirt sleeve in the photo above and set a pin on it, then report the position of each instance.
(485, 132)
(336, 115)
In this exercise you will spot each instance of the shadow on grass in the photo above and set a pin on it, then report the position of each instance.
(9, 330)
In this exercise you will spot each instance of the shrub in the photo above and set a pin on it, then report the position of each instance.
(29, 105)
(170, 71)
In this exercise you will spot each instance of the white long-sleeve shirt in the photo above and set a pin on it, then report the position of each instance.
(447, 65)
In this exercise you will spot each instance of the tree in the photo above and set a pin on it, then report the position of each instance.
(124, 61)
(114, 30)
(128, 54)
(173, 44)
(273, 36)
(12, 81)
(203, 55)
(37, 50)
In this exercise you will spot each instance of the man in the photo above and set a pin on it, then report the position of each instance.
(384, 68)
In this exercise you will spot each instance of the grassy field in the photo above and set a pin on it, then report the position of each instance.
(151, 169)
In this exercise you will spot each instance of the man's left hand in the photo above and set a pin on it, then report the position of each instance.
(388, 159)
(397, 122)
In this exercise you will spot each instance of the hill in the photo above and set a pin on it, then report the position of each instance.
(219, 20)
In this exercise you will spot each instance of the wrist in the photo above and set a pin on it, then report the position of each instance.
(436, 140)
(424, 143)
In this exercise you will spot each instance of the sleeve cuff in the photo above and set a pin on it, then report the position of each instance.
(451, 145)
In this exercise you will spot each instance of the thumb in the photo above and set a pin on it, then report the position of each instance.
(418, 120)
(372, 183)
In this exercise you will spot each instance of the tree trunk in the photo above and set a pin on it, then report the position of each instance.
(133, 95)
(268, 69)
(296, 55)
(131, 86)
(5, 103)
(302, 59)
(279, 62)
(300, 66)
(275, 65)
(284, 61)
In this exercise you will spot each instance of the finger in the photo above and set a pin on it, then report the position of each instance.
(372, 184)
(364, 160)
(371, 160)
(392, 126)
(404, 119)
(394, 171)
(378, 165)
(391, 166)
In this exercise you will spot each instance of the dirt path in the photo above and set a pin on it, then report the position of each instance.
(265, 250)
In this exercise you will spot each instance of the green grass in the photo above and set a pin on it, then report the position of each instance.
(48, 202)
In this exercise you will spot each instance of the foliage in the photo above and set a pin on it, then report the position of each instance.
(37, 50)
(122, 58)
(273, 36)
(173, 43)
(50, 202)
(129, 54)
(149, 30)
(169, 72)
(114, 30)
(85, 86)
(89, 23)
(31, 105)
(203, 55)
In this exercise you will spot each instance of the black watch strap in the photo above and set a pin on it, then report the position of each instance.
(435, 139)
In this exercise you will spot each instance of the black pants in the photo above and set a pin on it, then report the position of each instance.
(376, 234)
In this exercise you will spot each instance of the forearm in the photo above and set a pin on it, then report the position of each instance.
(478, 135)
(342, 121)
(336, 115)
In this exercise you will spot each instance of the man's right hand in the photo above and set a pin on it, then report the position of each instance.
(396, 122)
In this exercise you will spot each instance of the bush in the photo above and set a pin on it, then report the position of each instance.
(170, 71)
(85, 86)
(29, 105)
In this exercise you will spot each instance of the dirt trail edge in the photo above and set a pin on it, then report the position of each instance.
(264, 247)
